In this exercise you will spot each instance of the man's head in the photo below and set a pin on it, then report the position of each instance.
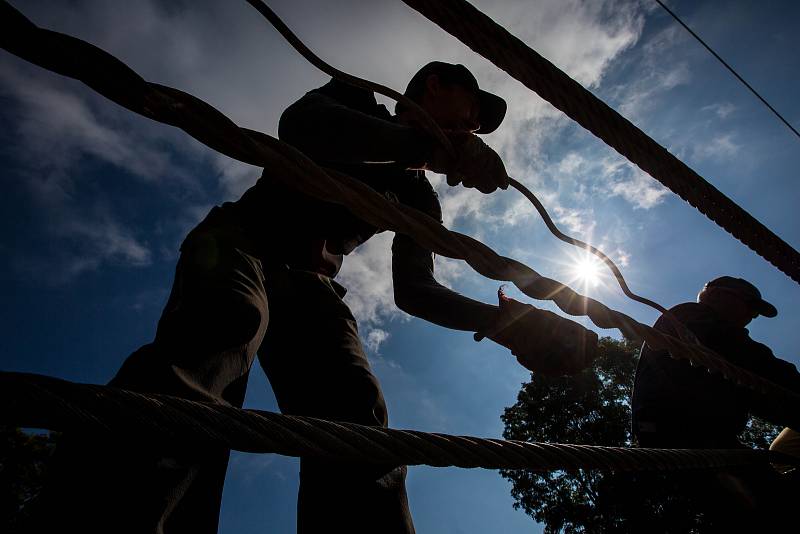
(736, 299)
(450, 94)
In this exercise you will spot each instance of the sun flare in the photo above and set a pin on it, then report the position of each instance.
(587, 271)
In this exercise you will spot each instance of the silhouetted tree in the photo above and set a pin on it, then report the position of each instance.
(593, 407)
(23, 466)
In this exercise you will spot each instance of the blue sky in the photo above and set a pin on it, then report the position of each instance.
(96, 201)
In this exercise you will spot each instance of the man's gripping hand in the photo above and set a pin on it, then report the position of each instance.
(542, 341)
(475, 164)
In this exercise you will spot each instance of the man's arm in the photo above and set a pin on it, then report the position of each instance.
(338, 123)
(330, 131)
(417, 292)
(542, 341)
(759, 359)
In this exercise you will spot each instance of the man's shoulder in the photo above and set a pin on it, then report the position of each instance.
(690, 310)
(353, 97)
(685, 312)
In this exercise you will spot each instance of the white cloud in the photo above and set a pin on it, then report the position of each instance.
(374, 339)
(85, 242)
(605, 172)
(448, 271)
(57, 129)
(235, 177)
(719, 147)
(721, 109)
(637, 98)
(658, 70)
(571, 163)
(459, 203)
(367, 274)
(582, 38)
(621, 257)
(577, 221)
(109, 241)
(59, 123)
(639, 189)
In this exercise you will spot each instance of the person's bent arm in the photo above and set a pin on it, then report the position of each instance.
(542, 341)
(417, 292)
(759, 359)
(330, 132)
(334, 125)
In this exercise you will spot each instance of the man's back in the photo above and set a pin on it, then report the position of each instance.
(676, 405)
(688, 406)
(313, 234)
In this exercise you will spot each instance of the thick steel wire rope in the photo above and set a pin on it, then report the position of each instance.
(116, 81)
(484, 36)
(160, 422)
(437, 133)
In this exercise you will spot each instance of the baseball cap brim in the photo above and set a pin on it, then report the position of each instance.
(766, 309)
(492, 107)
(748, 292)
(492, 112)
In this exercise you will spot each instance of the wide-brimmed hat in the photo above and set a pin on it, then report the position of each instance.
(492, 107)
(749, 293)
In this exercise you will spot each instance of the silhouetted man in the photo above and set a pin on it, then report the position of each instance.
(257, 275)
(676, 405)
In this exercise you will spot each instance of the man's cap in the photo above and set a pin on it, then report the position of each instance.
(749, 292)
(493, 108)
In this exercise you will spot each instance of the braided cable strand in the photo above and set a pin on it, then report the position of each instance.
(495, 43)
(115, 80)
(154, 420)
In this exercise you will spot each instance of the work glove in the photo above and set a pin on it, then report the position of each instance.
(542, 341)
(475, 164)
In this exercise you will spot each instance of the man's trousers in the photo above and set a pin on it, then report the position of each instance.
(228, 303)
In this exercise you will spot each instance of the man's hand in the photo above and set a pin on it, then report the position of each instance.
(542, 341)
(476, 165)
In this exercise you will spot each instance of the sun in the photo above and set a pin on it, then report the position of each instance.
(588, 271)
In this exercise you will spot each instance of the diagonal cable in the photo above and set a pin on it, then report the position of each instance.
(476, 30)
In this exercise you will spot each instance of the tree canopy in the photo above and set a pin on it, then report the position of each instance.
(593, 407)
(23, 465)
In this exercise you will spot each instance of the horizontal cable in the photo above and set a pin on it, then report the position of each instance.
(161, 421)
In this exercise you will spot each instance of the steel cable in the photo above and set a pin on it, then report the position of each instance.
(162, 421)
